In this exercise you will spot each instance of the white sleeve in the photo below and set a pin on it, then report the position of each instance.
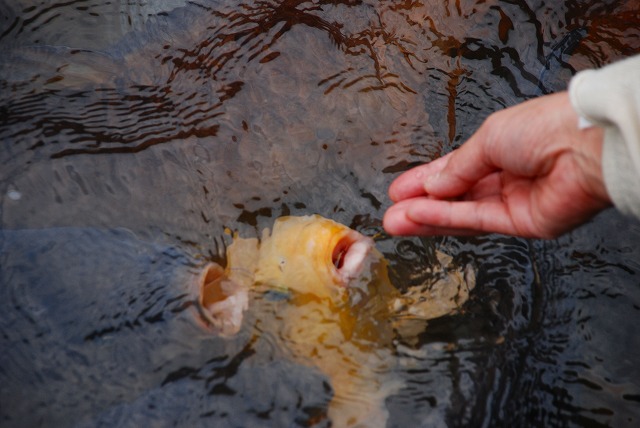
(610, 98)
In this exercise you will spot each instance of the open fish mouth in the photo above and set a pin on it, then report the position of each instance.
(350, 255)
(222, 300)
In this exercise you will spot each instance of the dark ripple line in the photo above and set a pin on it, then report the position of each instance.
(154, 311)
(259, 21)
(151, 106)
(212, 131)
(27, 22)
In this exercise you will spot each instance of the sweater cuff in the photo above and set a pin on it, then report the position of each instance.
(610, 98)
(621, 179)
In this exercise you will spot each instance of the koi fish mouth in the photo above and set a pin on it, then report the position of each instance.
(222, 301)
(349, 256)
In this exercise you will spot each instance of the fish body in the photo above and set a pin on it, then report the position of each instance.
(341, 313)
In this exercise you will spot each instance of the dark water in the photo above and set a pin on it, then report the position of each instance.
(134, 132)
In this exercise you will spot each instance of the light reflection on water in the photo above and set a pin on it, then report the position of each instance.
(134, 133)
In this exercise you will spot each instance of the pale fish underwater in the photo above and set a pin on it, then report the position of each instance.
(335, 307)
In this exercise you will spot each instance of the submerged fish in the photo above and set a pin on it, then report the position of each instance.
(340, 311)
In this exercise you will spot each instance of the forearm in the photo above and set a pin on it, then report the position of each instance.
(610, 98)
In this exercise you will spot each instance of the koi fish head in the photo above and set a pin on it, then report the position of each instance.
(312, 254)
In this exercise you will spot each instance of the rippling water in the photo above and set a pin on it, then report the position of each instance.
(133, 133)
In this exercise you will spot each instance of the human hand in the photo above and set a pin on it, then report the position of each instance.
(528, 171)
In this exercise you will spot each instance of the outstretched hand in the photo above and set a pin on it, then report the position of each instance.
(528, 171)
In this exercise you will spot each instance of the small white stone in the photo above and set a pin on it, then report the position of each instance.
(14, 195)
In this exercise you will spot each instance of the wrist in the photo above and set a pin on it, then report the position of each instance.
(585, 142)
(588, 151)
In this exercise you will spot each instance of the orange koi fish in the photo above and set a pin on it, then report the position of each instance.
(341, 311)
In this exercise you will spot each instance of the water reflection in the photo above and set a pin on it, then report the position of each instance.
(174, 120)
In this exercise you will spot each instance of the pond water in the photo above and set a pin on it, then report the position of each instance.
(134, 134)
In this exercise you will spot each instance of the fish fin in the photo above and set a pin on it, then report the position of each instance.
(443, 258)
(242, 260)
(421, 303)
